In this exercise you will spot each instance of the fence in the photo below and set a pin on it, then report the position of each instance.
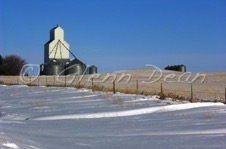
(192, 92)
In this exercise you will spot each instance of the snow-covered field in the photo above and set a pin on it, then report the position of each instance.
(69, 118)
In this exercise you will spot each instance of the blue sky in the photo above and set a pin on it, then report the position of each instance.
(120, 34)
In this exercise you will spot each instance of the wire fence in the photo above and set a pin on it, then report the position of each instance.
(184, 91)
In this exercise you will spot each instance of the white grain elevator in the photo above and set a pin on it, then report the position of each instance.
(57, 57)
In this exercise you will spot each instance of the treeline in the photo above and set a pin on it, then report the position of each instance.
(11, 65)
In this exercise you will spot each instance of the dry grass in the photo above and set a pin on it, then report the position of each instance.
(2, 82)
(213, 88)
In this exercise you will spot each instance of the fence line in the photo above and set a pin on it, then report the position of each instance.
(192, 92)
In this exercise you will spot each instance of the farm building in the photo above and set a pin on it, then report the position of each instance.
(181, 68)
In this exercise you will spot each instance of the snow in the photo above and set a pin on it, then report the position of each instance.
(10, 145)
(55, 118)
(131, 112)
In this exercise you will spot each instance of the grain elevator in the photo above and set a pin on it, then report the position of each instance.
(57, 57)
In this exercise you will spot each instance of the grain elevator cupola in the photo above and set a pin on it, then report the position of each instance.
(57, 57)
(56, 48)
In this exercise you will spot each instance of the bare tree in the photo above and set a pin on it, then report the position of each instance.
(11, 65)
(1, 60)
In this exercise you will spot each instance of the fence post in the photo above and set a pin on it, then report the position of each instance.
(75, 82)
(114, 86)
(161, 94)
(79, 83)
(137, 86)
(191, 93)
(225, 96)
(53, 80)
(65, 79)
(46, 81)
(30, 80)
(92, 84)
(102, 87)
